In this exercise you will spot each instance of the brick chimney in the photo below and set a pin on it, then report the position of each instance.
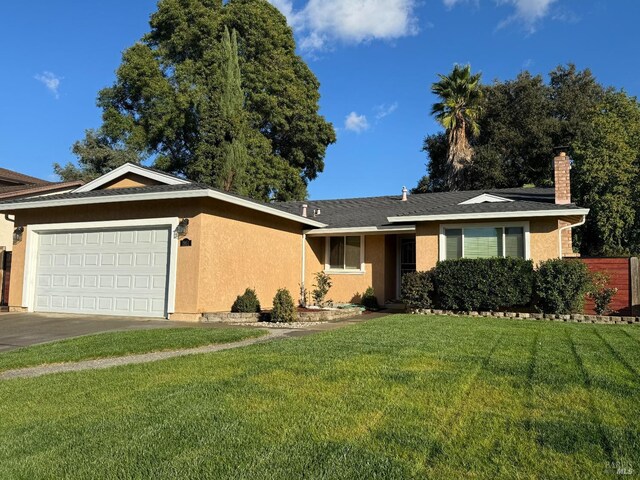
(562, 174)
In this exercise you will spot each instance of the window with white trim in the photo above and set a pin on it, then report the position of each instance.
(484, 242)
(344, 253)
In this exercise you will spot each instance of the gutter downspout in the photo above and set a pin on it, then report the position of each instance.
(304, 259)
(580, 223)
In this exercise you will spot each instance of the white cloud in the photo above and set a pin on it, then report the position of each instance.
(356, 123)
(527, 12)
(322, 22)
(49, 80)
(385, 110)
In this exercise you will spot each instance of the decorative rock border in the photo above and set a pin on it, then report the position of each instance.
(577, 318)
(308, 317)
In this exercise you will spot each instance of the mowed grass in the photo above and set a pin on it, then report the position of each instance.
(395, 397)
(115, 344)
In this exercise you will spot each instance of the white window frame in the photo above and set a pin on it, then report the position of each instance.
(442, 250)
(343, 271)
(33, 241)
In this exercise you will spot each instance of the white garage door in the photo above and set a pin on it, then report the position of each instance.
(108, 272)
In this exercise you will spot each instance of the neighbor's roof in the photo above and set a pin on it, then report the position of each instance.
(19, 178)
(389, 211)
(19, 191)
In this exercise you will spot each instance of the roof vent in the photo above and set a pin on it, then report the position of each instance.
(304, 209)
(404, 194)
(316, 212)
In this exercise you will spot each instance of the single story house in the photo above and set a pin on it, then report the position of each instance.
(140, 242)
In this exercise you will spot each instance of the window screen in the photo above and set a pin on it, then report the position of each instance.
(453, 243)
(336, 252)
(514, 242)
(352, 252)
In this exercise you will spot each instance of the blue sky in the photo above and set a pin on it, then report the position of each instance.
(375, 60)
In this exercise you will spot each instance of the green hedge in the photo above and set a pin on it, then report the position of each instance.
(560, 286)
(416, 291)
(483, 284)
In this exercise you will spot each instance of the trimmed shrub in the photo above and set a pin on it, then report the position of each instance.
(483, 283)
(247, 302)
(416, 290)
(369, 300)
(323, 284)
(283, 308)
(560, 286)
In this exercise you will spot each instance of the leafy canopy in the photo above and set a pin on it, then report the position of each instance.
(176, 101)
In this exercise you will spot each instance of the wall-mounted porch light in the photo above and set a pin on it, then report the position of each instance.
(17, 234)
(183, 227)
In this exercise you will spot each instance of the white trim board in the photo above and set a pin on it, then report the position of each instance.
(360, 230)
(144, 196)
(490, 215)
(130, 168)
(442, 239)
(31, 251)
(485, 198)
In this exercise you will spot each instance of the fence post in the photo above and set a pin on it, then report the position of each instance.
(3, 300)
(634, 265)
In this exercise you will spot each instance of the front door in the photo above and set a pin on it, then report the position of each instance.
(407, 258)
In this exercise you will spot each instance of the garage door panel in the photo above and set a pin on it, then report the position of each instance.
(109, 272)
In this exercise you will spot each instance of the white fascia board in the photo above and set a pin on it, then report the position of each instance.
(144, 196)
(485, 198)
(489, 215)
(263, 208)
(130, 168)
(360, 230)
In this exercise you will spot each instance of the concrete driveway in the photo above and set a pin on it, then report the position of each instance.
(23, 329)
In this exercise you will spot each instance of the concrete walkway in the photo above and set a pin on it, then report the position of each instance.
(274, 333)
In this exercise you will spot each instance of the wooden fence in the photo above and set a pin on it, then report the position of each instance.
(624, 274)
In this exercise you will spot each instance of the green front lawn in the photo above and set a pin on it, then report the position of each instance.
(115, 344)
(395, 397)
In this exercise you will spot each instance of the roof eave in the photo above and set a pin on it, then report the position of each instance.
(488, 215)
(147, 196)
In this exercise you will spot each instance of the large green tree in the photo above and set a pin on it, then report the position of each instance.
(606, 176)
(457, 110)
(168, 100)
(524, 118)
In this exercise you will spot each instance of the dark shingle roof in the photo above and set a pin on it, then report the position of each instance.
(373, 211)
(18, 191)
(360, 212)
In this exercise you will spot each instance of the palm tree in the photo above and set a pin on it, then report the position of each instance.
(458, 112)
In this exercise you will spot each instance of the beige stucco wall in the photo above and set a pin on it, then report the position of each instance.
(544, 240)
(348, 286)
(130, 180)
(243, 249)
(6, 233)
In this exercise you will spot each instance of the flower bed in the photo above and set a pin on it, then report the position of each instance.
(304, 315)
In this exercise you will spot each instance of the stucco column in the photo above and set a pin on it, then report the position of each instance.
(427, 245)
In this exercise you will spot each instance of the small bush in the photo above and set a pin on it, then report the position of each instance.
(560, 286)
(283, 308)
(247, 302)
(323, 284)
(416, 291)
(483, 283)
(601, 293)
(369, 300)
